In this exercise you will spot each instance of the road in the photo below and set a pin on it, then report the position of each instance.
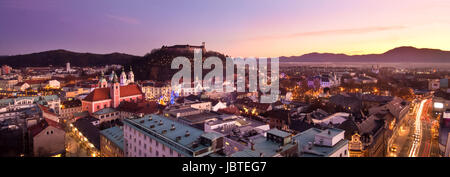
(418, 132)
(414, 136)
(73, 148)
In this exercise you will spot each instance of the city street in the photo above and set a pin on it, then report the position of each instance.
(73, 148)
(402, 137)
(414, 137)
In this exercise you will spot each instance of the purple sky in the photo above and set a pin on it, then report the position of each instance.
(234, 27)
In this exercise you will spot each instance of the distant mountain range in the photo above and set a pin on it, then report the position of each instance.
(396, 55)
(61, 57)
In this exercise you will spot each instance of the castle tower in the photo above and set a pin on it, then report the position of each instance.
(102, 83)
(123, 78)
(131, 76)
(68, 67)
(115, 92)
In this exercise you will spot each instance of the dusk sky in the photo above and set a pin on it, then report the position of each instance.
(234, 27)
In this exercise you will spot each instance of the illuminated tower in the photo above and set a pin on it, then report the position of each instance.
(123, 78)
(131, 76)
(115, 92)
(102, 83)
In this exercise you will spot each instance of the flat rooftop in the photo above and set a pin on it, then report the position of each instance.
(153, 125)
(279, 133)
(304, 138)
(115, 135)
(262, 146)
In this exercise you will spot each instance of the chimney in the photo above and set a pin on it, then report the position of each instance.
(160, 122)
(187, 133)
(173, 127)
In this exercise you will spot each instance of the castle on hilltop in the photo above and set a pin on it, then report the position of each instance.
(184, 48)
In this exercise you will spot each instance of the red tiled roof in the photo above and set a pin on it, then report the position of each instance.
(31, 82)
(36, 129)
(46, 110)
(98, 94)
(129, 90)
(103, 93)
(230, 110)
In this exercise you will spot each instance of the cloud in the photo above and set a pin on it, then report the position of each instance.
(332, 32)
(124, 19)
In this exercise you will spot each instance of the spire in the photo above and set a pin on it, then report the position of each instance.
(111, 76)
(115, 79)
(130, 76)
(101, 76)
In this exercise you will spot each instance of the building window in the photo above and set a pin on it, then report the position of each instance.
(157, 153)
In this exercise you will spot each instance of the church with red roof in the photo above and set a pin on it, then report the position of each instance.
(110, 95)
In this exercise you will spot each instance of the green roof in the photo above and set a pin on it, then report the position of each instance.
(36, 99)
(279, 133)
(81, 114)
(264, 146)
(307, 136)
(104, 111)
(150, 125)
(212, 135)
(115, 135)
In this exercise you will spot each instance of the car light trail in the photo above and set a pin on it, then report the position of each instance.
(417, 131)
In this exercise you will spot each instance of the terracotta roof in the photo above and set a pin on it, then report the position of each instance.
(20, 84)
(230, 110)
(31, 82)
(98, 94)
(103, 93)
(46, 110)
(36, 129)
(130, 90)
